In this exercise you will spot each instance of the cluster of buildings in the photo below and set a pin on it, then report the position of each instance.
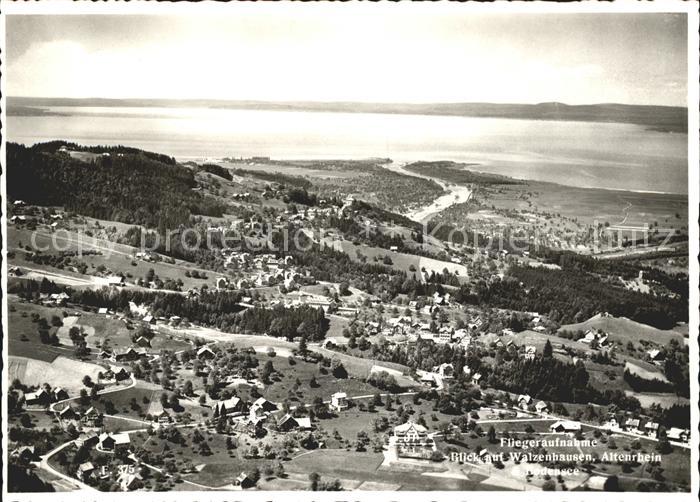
(526, 403)
(261, 270)
(645, 427)
(594, 338)
(91, 417)
(44, 397)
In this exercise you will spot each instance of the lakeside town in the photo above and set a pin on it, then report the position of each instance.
(373, 352)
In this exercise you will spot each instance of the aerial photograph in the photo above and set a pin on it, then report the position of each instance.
(315, 250)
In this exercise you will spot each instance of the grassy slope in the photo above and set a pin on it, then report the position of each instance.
(622, 330)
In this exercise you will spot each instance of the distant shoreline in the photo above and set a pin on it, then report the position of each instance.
(653, 117)
(195, 158)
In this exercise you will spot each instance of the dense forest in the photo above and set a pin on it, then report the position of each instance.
(543, 378)
(129, 185)
(639, 384)
(568, 260)
(570, 296)
(217, 309)
(304, 321)
(216, 170)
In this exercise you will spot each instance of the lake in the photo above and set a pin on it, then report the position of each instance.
(583, 154)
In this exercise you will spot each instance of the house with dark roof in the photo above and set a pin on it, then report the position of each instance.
(288, 423)
(244, 481)
(228, 407)
(85, 471)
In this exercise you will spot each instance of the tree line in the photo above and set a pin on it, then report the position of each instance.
(135, 187)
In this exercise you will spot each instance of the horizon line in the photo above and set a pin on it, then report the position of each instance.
(292, 101)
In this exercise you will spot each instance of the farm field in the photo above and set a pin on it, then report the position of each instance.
(328, 384)
(61, 372)
(592, 205)
(400, 261)
(355, 468)
(623, 330)
(351, 421)
(647, 399)
(645, 370)
(23, 333)
(116, 258)
(217, 466)
(361, 368)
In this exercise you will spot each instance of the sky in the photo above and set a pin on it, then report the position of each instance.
(412, 56)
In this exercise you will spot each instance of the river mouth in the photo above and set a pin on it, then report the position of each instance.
(455, 194)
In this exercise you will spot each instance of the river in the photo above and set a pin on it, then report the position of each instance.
(455, 194)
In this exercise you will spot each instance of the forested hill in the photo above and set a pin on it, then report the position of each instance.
(128, 185)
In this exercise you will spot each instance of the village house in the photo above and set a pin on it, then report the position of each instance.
(91, 418)
(339, 401)
(205, 353)
(163, 418)
(40, 397)
(612, 423)
(142, 341)
(130, 481)
(524, 401)
(114, 441)
(85, 471)
(565, 426)
(261, 408)
(444, 335)
(651, 429)
(593, 336)
(632, 425)
(476, 378)
(655, 355)
(89, 440)
(228, 407)
(439, 299)
(58, 299)
(288, 423)
(68, 413)
(678, 435)
(412, 440)
(128, 354)
(119, 373)
(541, 407)
(445, 370)
(530, 352)
(244, 481)
(254, 427)
(59, 394)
